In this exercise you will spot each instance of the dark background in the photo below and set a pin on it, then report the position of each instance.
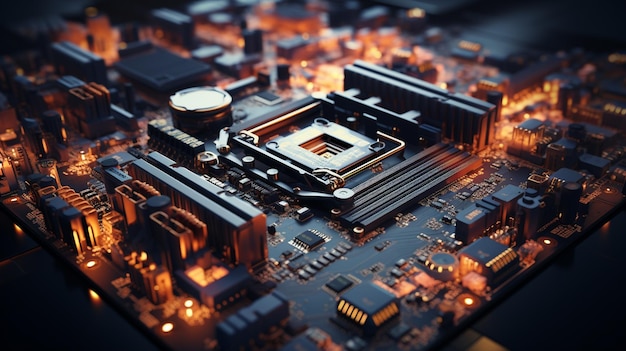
(576, 303)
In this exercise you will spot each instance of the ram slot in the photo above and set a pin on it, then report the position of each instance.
(405, 185)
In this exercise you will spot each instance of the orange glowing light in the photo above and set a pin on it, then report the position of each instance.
(189, 313)
(17, 229)
(94, 295)
(416, 13)
(303, 64)
(547, 241)
(91, 263)
(91, 11)
(188, 303)
(167, 327)
(468, 301)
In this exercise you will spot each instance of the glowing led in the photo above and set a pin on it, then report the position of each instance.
(468, 301)
(167, 327)
(94, 295)
(17, 229)
(303, 64)
(189, 312)
(547, 241)
(188, 303)
(416, 13)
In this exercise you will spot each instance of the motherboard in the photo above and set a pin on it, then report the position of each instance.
(304, 175)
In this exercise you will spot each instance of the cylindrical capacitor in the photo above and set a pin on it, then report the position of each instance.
(528, 218)
(71, 223)
(201, 109)
(248, 161)
(272, 174)
(110, 181)
(568, 204)
(352, 122)
(52, 124)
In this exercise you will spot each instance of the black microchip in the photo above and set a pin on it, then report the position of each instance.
(339, 284)
(162, 70)
(268, 98)
(308, 240)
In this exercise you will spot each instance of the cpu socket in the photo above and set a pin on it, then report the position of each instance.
(325, 145)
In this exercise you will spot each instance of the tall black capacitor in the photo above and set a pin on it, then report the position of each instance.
(253, 41)
(569, 202)
(52, 124)
(528, 218)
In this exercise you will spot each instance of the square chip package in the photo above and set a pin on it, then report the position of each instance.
(308, 240)
(268, 98)
(162, 70)
(339, 284)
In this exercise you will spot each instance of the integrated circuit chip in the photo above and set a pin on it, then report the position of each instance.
(339, 284)
(308, 240)
(368, 306)
(162, 70)
(267, 98)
